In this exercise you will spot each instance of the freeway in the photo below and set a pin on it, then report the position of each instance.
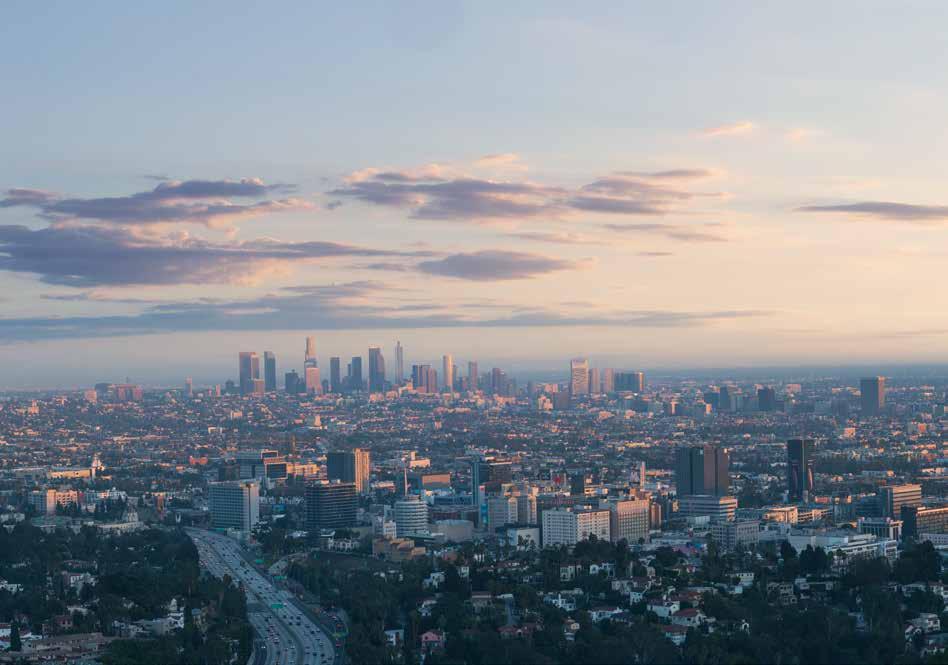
(286, 635)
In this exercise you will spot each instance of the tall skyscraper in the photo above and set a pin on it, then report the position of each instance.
(311, 378)
(447, 372)
(314, 384)
(702, 470)
(717, 463)
(376, 370)
(766, 399)
(188, 387)
(498, 381)
(578, 377)
(350, 467)
(292, 383)
(424, 379)
(249, 369)
(873, 395)
(269, 371)
(799, 468)
(335, 374)
(689, 471)
(629, 381)
(399, 363)
(472, 375)
(355, 374)
(608, 380)
(595, 382)
(330, 505)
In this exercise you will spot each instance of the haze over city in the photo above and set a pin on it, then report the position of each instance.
(524, 182)
(473, 333)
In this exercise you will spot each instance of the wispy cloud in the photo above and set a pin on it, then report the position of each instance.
(477, 199)
(350, 306)
(497, 265)
(557, 238)
(504, 160)
(733, 129)
(674, 232)
(206, 202)
(85, 256)
(884, 210)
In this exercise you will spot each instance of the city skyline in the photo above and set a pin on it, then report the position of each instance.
(571, 220)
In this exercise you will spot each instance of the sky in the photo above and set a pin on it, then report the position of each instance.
(690, 185)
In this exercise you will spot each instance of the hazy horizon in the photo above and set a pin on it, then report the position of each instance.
(689, 186)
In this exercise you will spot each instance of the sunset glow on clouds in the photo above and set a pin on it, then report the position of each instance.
(743, 210)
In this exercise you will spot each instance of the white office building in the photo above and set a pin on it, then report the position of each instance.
(234, 505)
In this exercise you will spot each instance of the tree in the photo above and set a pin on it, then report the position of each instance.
(16, 644)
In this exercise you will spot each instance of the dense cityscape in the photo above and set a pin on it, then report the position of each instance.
(439, 515)
(473, 333)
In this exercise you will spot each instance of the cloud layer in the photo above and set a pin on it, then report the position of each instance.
(86, 256)
(496, 265)
(885, 210)
(350, 306)
(430, 194)
(206, 202)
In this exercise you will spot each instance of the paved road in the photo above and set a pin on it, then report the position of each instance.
(286, 636)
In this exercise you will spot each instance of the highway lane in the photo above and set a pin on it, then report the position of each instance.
(287, 636)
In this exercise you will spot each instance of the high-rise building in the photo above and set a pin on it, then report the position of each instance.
(702, 470)
(188, 387)
(595, 382)
(335, 374)
(893, 497)
(350, 467)
(489, 473)
(309, 355)
(399, 363)
(292, 382)
(608, 380)
(689, 471)
(269, 371)
(411, 517)
(261, 464)
(717, 464)
(578, 377)
(424, 379)
(799, 468)
(234, 505)
(331, 505)
(314, 385)
(249, 369)
(501, 511)
(873, 395)
(919, 520)
(629, 520)
(447, 372)
(767, 399)
(355, 374)
(568, 527)
(376, 370)
(472, 375)
(498, 381)
(629, 382)
(526, 509)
